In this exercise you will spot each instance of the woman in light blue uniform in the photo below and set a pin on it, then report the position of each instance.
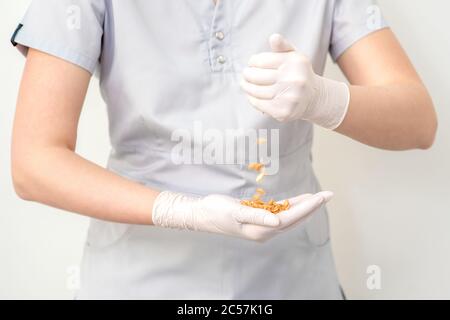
(169, 65)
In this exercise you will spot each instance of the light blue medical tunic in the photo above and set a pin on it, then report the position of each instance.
(166, 65)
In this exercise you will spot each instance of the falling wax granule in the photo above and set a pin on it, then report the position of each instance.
(256, 201)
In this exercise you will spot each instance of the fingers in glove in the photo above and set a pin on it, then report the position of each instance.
(326, 194)
(270, 107)
(268, 60)
(259, 92)
(248, 215)
(301, 210)
(279, 44)
(298, 199)
(261, 105)
(261, 77)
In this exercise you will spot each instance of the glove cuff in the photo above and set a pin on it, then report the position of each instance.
(174, 210)
(331, 103)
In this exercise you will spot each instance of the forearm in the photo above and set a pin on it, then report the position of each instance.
(387, 107)
(393, 117)
(58, 177)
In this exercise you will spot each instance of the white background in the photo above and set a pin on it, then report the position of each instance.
(391, 209)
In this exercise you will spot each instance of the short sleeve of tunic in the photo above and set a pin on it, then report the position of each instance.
(68, 29)
(352, 21)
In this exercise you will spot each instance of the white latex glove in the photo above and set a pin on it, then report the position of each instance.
(282, 84)
(225, 215)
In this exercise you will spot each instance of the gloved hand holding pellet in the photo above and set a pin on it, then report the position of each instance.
(283, 85)
(225, 215)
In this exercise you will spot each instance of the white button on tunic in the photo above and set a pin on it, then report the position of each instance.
(221, 59)
(219, 35)
(154, 82)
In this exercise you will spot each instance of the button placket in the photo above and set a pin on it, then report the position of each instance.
(218, 41)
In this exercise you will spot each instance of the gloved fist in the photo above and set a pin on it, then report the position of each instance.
(283, 84)
(225, 215)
